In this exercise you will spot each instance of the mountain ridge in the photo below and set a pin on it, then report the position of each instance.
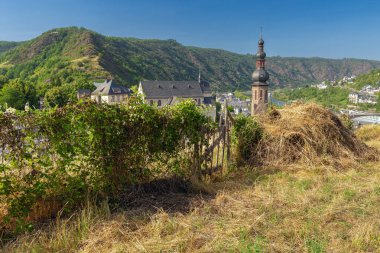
(71, 58)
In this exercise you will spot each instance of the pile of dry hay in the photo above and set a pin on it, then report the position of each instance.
(310, 134)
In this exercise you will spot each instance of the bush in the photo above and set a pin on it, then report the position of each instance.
(246, 134)
(59, 157)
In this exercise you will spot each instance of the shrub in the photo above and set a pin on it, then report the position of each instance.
(246, 133)
(59, 157)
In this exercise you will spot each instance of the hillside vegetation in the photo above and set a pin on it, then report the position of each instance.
(332, 97)
(370, 78)
(60, 61)
(335, 97)
(5, 45)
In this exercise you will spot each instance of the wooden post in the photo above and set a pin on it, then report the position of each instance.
(212, 152)
(228, 137)
(196, 170)
(227, 131)
(224, 144)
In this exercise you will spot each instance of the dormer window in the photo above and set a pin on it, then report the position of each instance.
(116, 90)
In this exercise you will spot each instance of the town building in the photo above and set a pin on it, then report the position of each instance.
(370, 89)
(239, 106)
(108, 92)
(162, 93)
(362, 98)
(367, 95)
(260, 87)
(320, 86)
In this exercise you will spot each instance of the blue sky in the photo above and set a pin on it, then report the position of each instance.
(323, 28)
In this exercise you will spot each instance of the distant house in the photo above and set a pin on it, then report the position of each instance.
(320, 86)
(162, 93)
(370, 89)
(362, 98)
(107, 92)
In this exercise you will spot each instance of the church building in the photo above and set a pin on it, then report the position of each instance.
(162, 93)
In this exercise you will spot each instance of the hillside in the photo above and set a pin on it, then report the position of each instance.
(62, 60)
(5, 45)
(371, 78)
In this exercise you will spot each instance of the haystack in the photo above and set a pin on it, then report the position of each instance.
(308, 133)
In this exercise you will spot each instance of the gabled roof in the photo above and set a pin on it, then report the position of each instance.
(109, 87)
(167, 89)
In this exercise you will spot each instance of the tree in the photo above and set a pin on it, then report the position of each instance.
(56, 96)
(17, 93)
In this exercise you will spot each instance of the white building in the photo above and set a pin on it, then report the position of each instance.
(362, 98)
(107, 92)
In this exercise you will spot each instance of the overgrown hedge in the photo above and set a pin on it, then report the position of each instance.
(67, 154)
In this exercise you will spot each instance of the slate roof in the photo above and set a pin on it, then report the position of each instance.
(109, 87)
(205, 86)
(84, 92)
(167, 89)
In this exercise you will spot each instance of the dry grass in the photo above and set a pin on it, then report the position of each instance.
(370, 134)
(310, 134)
(313, 210)
(294, 208)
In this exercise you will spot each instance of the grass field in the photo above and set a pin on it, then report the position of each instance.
(296, 209)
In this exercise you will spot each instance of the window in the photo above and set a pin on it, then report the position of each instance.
(112, 98)
(266, 96)
(199, 101)
(159, 103)
(116, 90)
(255, 94)
(151, 102)
(261, 94)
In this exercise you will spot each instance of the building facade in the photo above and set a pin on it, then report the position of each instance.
(162, 93)
(107, 92)
(260, 87)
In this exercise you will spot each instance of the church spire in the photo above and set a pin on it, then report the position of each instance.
(260, 77)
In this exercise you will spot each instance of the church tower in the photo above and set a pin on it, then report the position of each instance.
(259, 87)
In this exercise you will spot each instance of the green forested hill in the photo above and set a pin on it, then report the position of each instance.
(5, 45)
(371, 78)
(60, 61)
